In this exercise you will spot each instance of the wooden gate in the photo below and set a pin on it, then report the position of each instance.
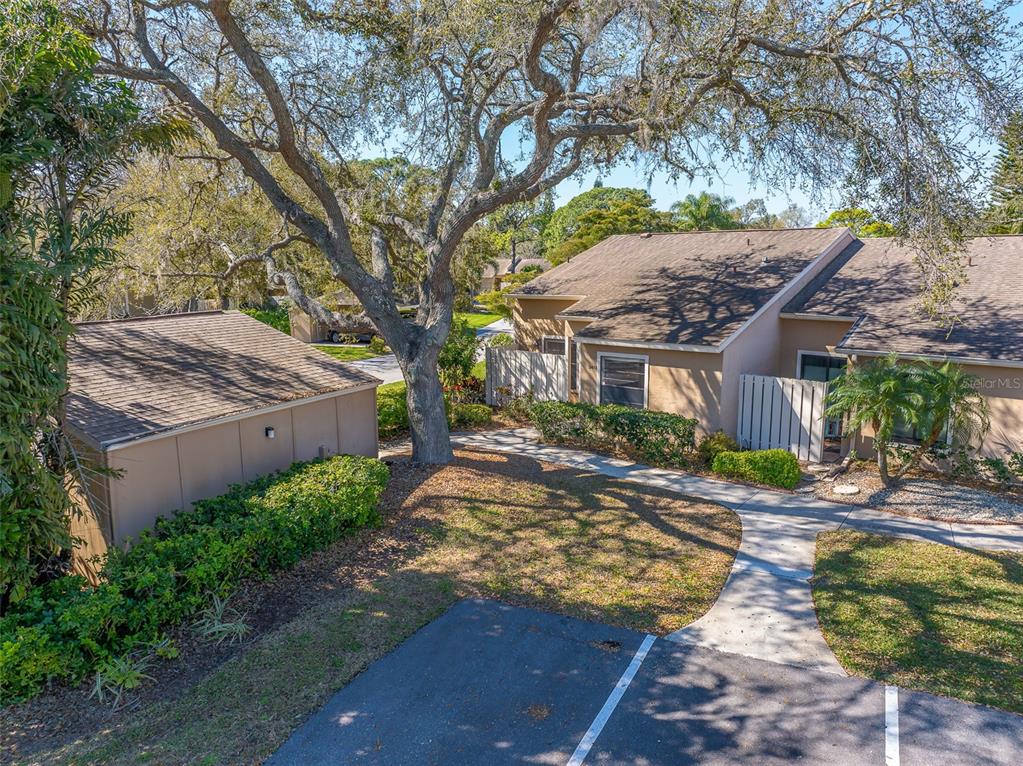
(513, 373)
(782, 413)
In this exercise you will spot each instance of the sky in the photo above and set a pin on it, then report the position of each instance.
(729, 182)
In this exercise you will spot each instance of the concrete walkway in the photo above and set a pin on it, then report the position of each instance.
(386, 367)
(765, 610)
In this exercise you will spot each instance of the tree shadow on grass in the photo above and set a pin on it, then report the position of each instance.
(923, 615)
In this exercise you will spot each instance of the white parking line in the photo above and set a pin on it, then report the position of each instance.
(891, 725)
(612, 702)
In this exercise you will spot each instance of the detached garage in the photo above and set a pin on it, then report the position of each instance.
(183, 406)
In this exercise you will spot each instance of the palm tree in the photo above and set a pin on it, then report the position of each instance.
(704, 212)
(887, 393)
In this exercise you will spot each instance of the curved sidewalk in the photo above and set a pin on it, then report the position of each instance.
(766, 608)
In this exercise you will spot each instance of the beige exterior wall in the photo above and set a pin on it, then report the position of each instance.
(807, 335)
(1003, 389)
(210, 461)
(163, 475)
(149, 487)
(686, 383)
(534, 317)
(357, 423)
(305, 328)
(261, 455)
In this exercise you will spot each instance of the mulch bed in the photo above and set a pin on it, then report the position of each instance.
(926, 496)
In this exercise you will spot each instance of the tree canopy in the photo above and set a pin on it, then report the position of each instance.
(1005, 206)
(564, 222)
(862, 222)
(503, 99)
(65, 136)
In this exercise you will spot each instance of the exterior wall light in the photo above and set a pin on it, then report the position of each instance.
(269, 431)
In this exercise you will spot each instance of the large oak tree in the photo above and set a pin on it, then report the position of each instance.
(503, 99)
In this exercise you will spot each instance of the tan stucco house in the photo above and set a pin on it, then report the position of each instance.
(183, 406)
(670, 321)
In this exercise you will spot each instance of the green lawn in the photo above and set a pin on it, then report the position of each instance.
(496, 526)
(348, 353)
(924, 616)
(477, 320)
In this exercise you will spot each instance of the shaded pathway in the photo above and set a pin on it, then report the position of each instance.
(765, 610)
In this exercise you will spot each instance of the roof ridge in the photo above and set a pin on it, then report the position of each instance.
(150, 317)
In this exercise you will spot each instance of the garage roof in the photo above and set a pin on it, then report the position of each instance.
(135, 378)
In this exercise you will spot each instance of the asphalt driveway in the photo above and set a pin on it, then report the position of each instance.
(489, 683)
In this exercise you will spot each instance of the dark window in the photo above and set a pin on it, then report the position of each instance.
(906, 433)
(820, 367)
(622, 381)
(552, 346)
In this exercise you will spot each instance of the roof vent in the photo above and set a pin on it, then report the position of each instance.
(764, 259)
(969, 260)
(748, 242)
(645, 235)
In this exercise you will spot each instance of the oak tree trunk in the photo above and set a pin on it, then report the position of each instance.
(427, 417)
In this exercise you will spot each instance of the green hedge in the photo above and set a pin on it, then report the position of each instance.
(276, 318)
(774, 467)
(65, 629)
(660, 438)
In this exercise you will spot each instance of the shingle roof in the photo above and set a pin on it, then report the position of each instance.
(878, 284)
(139, 377)
(693, 288)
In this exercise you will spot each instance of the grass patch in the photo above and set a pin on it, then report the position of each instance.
(500, 526)
(477, 320)
(348, 353)
(923, 615)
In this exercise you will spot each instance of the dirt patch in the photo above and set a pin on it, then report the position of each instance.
(538, 712)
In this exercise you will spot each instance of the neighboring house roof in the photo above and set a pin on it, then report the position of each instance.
(691, 288)
(501, 266)
(138, 377)
(877, 285)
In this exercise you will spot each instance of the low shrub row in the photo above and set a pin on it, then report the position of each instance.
(660, 438)
(67, 629)
(773, 467)
(392, 409)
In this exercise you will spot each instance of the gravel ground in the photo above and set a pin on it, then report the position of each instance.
(927, 498)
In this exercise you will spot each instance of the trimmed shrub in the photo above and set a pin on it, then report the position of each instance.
(501, 340)
(564, 421)
(715, 443)
(392, 410)
(773, 467)
(660, 438)
(468, 415)
(65, 629)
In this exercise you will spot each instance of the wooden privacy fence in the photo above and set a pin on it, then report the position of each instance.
(513, 373)
(782, 413)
